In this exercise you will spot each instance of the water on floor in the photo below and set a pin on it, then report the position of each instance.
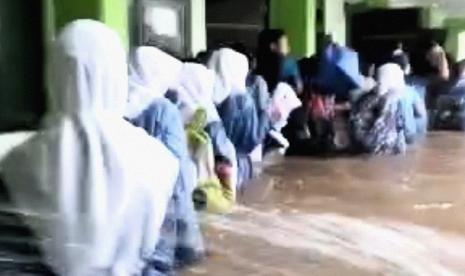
(348, 216)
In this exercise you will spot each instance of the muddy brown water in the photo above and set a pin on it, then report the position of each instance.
(400, 215)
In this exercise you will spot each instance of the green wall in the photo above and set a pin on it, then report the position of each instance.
(432, 17)
(68, 10)
(297, 18)
(114, 13)
(455, 43)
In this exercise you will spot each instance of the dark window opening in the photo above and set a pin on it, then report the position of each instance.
(22, 97)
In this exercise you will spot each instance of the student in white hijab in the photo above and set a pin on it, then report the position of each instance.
(153, 72)
(195, 91)
(231, 70)
(92, 186)
(376, 117)
(245, 127)
(390, 78)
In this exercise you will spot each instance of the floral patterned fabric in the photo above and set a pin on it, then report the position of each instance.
(377, 124)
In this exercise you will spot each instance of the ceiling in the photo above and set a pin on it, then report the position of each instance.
(452, 8)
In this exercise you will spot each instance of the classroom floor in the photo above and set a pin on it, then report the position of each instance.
(348, 216)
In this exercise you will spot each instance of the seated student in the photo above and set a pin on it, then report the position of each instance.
(258, 88)
(152, 73)
(216, 190)
(244, 125)
(99, 185)
(414, 115)
(376, 117)
(451, 106)
(413, 106)
(256, 84)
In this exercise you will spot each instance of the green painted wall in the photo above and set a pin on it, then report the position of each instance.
(432, 17)
(455, 43)
(69, 10)
(114, 13)
(297, 18)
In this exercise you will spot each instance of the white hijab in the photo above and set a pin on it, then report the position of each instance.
(152, 73)
(91, 185)
(284, 100)
(196, 91)
(390, 79)
(231, 70)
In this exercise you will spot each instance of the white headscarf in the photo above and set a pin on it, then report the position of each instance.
(152, 73)
(390, 79)
(91, 185)
(196, 91)
(231, 70)
(285, 101)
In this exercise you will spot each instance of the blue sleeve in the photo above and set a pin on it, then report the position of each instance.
(174, 135)
(245, 126)
(292, 74)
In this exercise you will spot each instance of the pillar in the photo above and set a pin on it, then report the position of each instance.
(335, 20)
(432, 17)
(455, 42)
(297, 18)
(198, 31)
(115, 14)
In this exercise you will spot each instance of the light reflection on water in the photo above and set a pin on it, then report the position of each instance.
(349, 216)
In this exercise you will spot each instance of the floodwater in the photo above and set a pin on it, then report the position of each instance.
(400, 215)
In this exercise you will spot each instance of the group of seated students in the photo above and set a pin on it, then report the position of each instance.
(130, 152)
(383, 112)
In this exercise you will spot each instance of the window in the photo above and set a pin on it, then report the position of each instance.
(162, 23)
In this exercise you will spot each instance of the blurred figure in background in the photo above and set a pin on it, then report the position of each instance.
(273, 59)
(451, 106)
(402, 58)
(437, 58)
(99, 186)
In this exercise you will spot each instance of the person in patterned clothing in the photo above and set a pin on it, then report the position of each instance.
(376, 118)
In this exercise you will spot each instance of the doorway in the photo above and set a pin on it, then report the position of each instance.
(231, 21)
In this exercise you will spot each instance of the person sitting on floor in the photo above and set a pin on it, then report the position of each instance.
(99, 185)
(152, 73)
(271, 43)
(377, 123)
(244, 125)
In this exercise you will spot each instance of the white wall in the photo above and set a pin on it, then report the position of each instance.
(9, 141)
(198, 27)
(335, 20)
